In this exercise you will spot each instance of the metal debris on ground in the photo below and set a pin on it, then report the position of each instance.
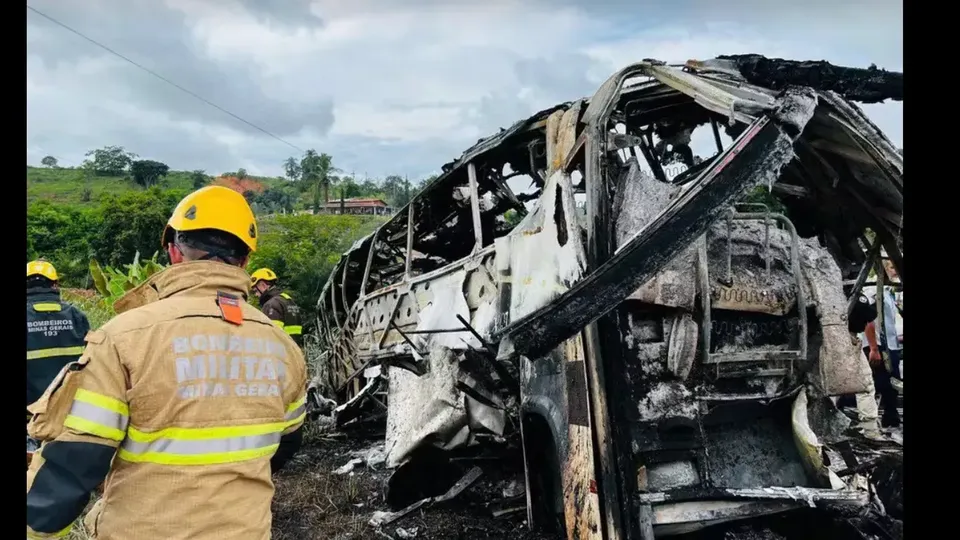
(385, 518)
(371, 457)
(349, 466)
(510, 510)
(406, 533)
(513, 489)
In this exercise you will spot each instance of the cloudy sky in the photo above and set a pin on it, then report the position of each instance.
(384, 86)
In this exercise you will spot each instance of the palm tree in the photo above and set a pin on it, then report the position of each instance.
(324, 170)
(317, 170)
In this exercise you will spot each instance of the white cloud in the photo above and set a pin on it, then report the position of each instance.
(414, 124)
(386, 87)
(677, 45)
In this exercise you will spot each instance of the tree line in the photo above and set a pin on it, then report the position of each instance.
(302, 249)
(116, 161)
(309, 182)
(114, 227)
(318, 176)
(112, 231)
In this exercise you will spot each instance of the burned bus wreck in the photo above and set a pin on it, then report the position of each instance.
(592, 278)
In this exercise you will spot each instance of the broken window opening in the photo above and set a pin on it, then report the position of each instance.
(821, 191)
(444, 223)
(676, 137)
(559, 218)
(506, 196)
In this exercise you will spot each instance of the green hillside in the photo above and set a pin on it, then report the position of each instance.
(74, 216)
(84, 188)
(116, 204)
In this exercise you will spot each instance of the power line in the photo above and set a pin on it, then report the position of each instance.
(161, 77)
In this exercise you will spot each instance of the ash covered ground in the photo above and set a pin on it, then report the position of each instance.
(316, 501)
(312, 501)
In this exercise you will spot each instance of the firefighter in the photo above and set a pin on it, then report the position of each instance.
(55, 331)
(182, 405)
(277, 304)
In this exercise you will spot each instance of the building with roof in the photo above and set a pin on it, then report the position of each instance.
(358, 206)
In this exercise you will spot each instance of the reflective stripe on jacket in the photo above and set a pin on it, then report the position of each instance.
(55, 332)
(283, 311)
(190, 408)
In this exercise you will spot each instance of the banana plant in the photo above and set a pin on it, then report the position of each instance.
(112, 283)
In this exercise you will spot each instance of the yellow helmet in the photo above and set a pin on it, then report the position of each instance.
(214, 207)
(263, 274)
(42, 268)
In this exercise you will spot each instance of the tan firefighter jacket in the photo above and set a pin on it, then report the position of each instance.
(189, 407)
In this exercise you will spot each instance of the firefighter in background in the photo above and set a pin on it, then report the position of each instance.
(182, 405)
(276, 303)
(55, 331)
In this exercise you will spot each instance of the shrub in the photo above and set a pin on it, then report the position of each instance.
(302, 249)
(97, 309)
(133, 222)
(62, 235)
(112, 283)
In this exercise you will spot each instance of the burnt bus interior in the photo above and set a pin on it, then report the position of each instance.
(446, 229)
(702, 365)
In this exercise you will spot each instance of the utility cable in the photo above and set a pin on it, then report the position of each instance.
(161, 77)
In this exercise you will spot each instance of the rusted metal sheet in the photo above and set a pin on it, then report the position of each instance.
(581, 503)
(578, 402)
(561, 136)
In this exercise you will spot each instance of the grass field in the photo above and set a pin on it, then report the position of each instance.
(67, 186)
(90, 303)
